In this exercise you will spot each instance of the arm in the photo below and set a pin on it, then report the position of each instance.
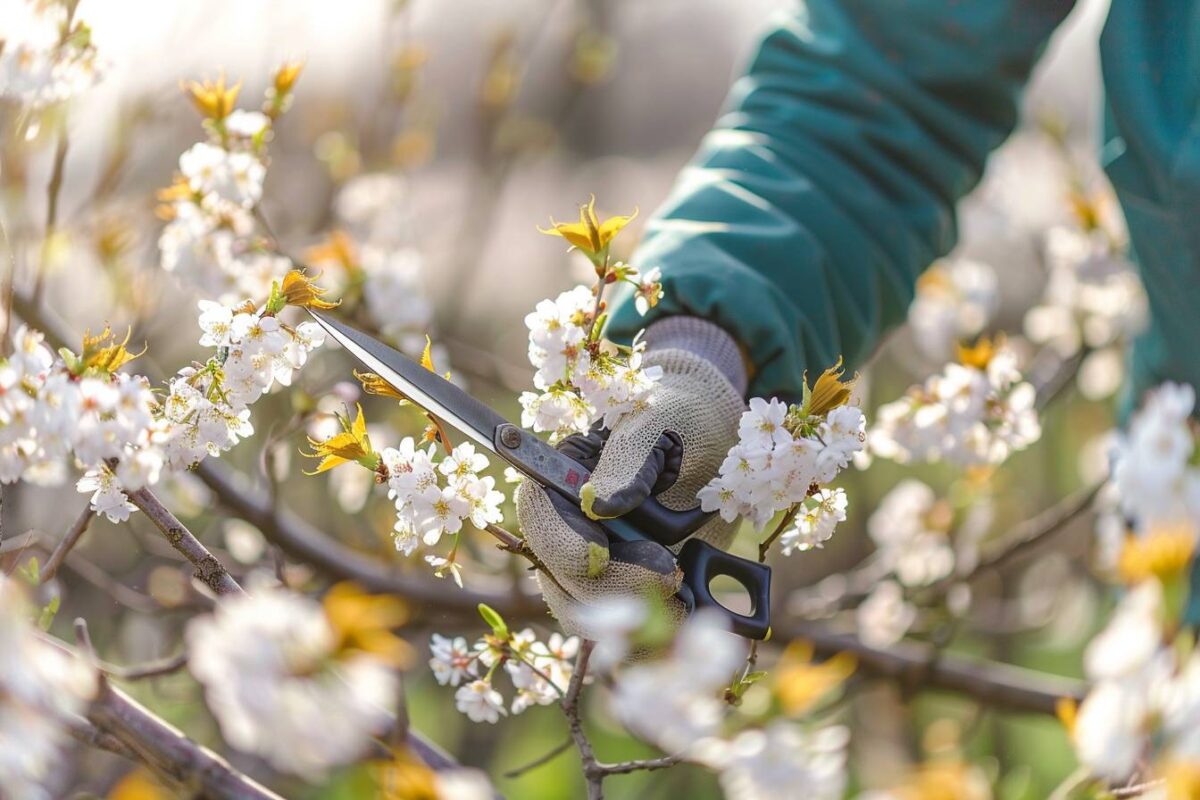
(830, 183)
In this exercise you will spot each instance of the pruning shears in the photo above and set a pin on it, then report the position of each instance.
(700, 561)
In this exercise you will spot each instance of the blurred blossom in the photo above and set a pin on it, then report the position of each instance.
(1142, 710)
(282, 685)
(911, 530)
(676, 701)
(1152, 462)
(975, 412)
(1130, 675)
(42, 688)
(375, 207)
(611, 623)
(776, 761)
(1025, 184)
(955, 300)
(1094, 457)
(1093, 299)
(244, 541)
(45, 57)
(885, 616)
(1051, 596)
(351, 488)
(1101, 373)
(210, 241)
(395, 296)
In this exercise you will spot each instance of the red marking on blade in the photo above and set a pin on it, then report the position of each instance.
(572, 479)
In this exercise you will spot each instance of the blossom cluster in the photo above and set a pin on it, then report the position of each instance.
(41, 689)
(784, 455)
(303, 684)
(207, 405)
(975, 412)
(53, 413)
(581, 378)
(433, 498)
(212, 238)
(955, 300)
(580, 381)
(539, 671)
(62, 410)
(46, 55)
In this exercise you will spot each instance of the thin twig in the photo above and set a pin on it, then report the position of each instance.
(53, 190)
(1137, 789)
(512, 543)
(545, 758)
(570, 708)
(594, 770)
(1025, 537)
(72, 537)
(639, 764)
(150, 669)
(764, 547)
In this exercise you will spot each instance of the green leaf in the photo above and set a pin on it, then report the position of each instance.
(493, 618)
(741, 685)
(47, 616)
(276, 300)
(31, 571)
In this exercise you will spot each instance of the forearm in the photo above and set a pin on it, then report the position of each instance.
(809, 212)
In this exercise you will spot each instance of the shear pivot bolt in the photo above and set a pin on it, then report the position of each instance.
(510, 437)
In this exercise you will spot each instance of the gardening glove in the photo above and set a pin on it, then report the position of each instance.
(670, 449)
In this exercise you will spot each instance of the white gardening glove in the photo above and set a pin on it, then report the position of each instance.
(671, 449)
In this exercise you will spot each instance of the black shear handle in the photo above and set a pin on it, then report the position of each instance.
(701, 562)
(667, 527)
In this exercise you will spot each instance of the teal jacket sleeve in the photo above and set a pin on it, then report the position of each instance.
(830, 182)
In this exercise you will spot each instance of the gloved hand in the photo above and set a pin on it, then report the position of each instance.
(670, 449)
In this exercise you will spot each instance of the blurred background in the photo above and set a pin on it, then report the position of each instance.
(480, 120)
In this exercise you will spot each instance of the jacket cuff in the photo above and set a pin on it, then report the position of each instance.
(704, 339)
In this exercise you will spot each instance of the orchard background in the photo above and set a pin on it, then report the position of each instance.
(417, 152)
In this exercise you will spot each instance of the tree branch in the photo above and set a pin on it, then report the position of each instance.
(165, 749)
(302, 541)
(919, 666)
(118, 723)
(208, 569)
